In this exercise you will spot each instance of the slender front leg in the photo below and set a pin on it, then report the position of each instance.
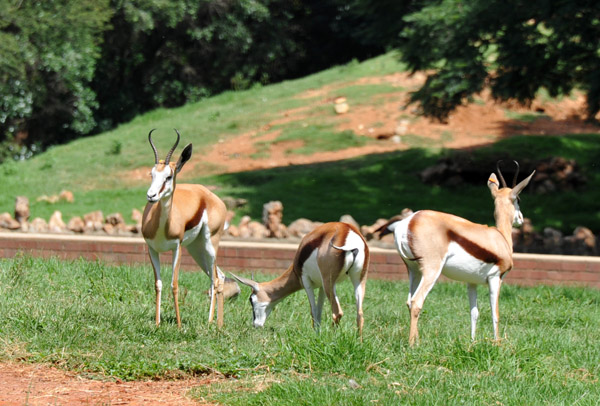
(472, 291)
(494, 283)
(219, 284)
(175, 281)
(155, 260)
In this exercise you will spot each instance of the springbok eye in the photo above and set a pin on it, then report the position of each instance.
(169, 177)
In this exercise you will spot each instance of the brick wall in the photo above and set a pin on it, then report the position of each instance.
(530, 269)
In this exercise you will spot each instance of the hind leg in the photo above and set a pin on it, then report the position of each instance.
(359, 295)
(430, 270)
(203, 252)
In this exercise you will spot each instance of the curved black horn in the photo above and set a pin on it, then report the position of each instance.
(153, 147)
(500, 173)
(516, 174)
(168, 158)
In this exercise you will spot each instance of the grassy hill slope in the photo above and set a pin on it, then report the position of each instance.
(108, 171)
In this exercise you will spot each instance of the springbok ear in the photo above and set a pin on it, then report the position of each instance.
(493, 184)
(247, 282)
(186, 154)
(519, 188)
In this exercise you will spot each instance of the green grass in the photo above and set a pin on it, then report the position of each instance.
(318, 138)
(526, 117)
(98, 320)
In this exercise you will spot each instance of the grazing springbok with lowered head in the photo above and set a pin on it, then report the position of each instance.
(188, 216)
(433, 243)
(330, 253)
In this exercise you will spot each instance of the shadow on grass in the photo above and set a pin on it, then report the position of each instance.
(381, 185)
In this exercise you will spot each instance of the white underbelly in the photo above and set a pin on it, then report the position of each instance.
(161, 244)
(191, 234)
(462, 266)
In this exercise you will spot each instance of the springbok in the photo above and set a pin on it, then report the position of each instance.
(188, 216)
(328, 254)
(433, 243)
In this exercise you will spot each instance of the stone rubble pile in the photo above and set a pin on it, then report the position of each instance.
(526, 239)
(551, 174)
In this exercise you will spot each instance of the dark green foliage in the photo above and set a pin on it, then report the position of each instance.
(169, 53)
(48, 51)
(514, 47)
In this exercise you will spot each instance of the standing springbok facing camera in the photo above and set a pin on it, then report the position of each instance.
(188, 216)
(433, 243)
(330, 253)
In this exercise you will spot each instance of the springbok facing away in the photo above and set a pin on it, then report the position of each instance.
(188, 216)
(328, 254)
(433, 243)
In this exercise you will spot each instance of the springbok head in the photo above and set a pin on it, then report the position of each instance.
(164, 171)
(506, 199)
(260, 308)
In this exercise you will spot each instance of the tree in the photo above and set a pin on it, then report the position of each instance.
(168, 53)
(515, 47)
(164, 54)
(48, 51)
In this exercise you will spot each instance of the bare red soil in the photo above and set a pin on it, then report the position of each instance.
(39, 385)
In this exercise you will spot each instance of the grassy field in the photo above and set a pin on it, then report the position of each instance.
(98, 320)
(97, 169)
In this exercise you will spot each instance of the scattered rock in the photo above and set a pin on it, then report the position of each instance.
(67, 196)
(115, 219)
(248, 228)
(56, 223)
(258, 230)
(7, 222)
(22, 209)
(38, 225)
(402, 127)
(233, 202)
(233, 230)
(93, 221)
(272, 219)
(340, 105)
(552, 174)
(49, 199)
(348, 219)
(64, 195)
(301, 227)
(76, 225)
(137, 216)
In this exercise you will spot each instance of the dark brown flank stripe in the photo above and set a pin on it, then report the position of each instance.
(305, 252)
(473, 248)
(194, 221)
(308, 248)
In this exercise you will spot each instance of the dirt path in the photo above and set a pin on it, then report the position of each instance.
(39, 385)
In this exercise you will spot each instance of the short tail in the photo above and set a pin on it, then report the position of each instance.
(348, 248)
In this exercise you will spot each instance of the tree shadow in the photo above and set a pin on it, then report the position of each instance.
(381, 185)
